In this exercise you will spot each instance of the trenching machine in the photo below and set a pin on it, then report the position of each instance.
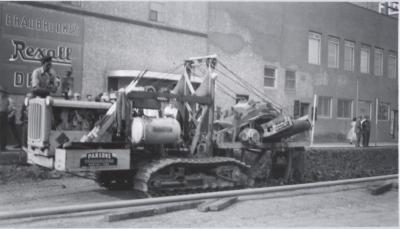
(181, 152)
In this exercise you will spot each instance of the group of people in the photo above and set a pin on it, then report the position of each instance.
(7, 120)
(44, 81)
(360, 131)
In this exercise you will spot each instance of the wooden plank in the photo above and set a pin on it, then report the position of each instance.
(377, 190)
(223, 203)
(217, 204)
(138, 213)
(205, 207)
(129, 215)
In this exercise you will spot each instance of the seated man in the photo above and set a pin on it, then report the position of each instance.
(151, 113)
(44, 78)
(171, 111)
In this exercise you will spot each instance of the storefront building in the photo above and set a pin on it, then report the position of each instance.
(95, 38)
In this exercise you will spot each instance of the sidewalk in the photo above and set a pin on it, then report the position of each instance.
(348, 145)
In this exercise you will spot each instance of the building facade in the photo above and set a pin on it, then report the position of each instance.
(288, 52)
(340, 53)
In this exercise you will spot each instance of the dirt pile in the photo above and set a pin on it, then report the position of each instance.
(26, 173)
(322, 164)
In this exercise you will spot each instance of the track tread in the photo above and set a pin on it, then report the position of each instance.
(144, 174)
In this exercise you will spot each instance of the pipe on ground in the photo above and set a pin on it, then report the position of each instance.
(169, 199)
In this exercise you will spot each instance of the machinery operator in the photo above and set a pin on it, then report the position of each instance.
(44, 78)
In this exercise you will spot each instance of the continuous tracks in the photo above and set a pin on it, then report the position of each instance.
(171, 176)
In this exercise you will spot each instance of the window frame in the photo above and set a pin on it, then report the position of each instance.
(286, 79)
(335, 41)
(319, 109)
(367, 48)
(153, 15)
(270, 77)
(387, 111)
(352, 45)
(318, 37)
(380, 73)
(157, 9)
(395, 66)
(351, 108)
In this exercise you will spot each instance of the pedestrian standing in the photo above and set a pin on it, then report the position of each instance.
(89, 97)
(366, 130)
(351, 135)
(67, 84)
(77, 96)
(358, 130)
(24, 121)
(3, 118)
(11, 122)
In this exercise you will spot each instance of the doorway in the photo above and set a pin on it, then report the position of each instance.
(300, 109)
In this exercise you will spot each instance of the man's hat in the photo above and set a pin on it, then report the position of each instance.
(2, 89)
(46, 59)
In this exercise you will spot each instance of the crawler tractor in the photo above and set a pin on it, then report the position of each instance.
(182, 151)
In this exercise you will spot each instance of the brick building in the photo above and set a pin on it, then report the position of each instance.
(340, 52)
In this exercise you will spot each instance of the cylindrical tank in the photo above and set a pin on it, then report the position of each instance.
(155, 130)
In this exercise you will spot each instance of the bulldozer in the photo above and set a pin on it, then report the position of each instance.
(181, 150)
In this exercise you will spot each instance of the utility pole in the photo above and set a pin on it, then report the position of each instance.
(376, 119)
(356, 97)
(313, 119)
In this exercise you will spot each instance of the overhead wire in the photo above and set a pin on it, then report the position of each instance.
(223, 87)
(225, 91)
(172, 70)
(250, 90)
(250, 86)
(245, 86)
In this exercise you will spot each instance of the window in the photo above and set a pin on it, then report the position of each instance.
(378, 62)
(156, 12)
(269, 77)
(392, 66)
(344, 108)
(153, 16)
(324, 106)
(349, 55)
(290, 79)
(18, 79)
(314, 48)
(364, 59)
(364, 108)
(383, 111)
(333, 52)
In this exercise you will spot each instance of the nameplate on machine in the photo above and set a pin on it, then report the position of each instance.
(98, 159)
